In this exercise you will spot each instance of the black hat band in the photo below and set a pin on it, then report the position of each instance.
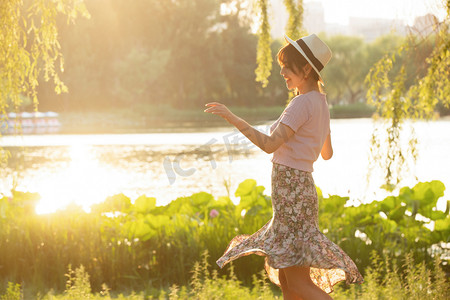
(310, 55)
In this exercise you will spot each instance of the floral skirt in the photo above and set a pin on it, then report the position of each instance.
(292, 237)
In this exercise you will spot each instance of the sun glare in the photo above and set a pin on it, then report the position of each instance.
(74, 184)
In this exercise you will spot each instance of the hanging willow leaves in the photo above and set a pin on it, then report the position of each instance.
(29, 47)
(434, 87)
(30, 51)
(294, 26)
(263, 52)
(293, 29)
(397, 101)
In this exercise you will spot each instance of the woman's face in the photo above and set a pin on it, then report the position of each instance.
(294, 77)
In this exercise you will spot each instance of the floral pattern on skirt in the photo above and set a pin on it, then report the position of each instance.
(292, 236)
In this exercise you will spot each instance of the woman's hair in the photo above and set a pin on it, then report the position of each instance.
(289, 56)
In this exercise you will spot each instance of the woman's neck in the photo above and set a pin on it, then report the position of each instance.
(309, 86)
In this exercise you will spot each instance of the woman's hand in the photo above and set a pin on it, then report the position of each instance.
(219, 109)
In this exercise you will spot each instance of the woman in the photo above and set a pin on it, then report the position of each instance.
(299, 258)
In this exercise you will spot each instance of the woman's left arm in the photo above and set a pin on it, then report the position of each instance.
(327, 148)
(267, 143)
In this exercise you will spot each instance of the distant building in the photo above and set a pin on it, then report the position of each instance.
(313, 18)
(314, 21)
(336, 29)
(367, 28)
(371, 28)
(424, 25)
(278, 19)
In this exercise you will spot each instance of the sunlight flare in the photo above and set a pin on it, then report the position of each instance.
(75, 184)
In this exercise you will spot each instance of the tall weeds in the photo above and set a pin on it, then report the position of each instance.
(382, 282)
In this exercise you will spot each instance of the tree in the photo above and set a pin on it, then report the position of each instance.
(400, 92)
(351, 62)
(237, 60)
(137, 73)
(347, 69)
(29, 48)
(149, 52)
(102, 51)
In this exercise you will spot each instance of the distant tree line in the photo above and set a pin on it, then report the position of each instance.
(184, 54)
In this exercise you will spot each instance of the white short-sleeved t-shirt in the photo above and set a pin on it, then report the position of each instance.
(309, 117)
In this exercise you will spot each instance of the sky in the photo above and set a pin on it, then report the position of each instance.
(338, 11)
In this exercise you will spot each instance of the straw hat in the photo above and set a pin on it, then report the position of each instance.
(314, 50)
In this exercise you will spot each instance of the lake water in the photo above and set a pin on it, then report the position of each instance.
(87, 168)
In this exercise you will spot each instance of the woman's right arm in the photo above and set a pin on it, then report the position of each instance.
(327, 149)
(268, 144)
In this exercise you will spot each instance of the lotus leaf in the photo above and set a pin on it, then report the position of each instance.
(144, 204)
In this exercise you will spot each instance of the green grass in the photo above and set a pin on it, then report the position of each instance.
(383, 281)
(356, 110)
(148, 247)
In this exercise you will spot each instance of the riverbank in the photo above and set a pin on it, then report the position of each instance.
(154, 118)
(164, 118)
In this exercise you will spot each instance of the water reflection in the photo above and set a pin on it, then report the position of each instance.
(81, 181)
(87, 174)
(86, 169)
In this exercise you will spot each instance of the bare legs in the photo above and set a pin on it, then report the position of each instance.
(296, 284)
(287, 294)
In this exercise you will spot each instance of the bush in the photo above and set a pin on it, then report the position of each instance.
(139, 246)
